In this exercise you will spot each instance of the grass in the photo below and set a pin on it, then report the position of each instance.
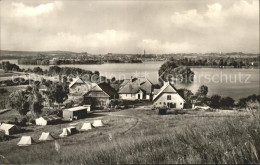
(141, 136)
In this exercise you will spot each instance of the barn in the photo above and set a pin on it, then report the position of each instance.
(75, 112)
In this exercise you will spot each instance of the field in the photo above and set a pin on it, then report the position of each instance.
(141, 136)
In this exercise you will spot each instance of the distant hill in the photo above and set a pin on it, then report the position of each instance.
(34, 53)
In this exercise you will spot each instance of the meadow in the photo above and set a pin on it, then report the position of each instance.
(136, 136)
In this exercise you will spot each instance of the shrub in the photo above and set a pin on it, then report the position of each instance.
(3, 90)
(3, 137)
(22, 122)
(32, 121)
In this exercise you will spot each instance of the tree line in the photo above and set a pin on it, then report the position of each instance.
(216, 101)
(218, 62)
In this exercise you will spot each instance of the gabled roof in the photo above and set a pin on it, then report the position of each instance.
(96, 88)
(156, 91)
(107, 88)
(129, 89)
(77, 80)
(166, 88)
(134, 85)
(124, 82)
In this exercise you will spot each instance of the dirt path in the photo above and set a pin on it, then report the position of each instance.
(128, 116)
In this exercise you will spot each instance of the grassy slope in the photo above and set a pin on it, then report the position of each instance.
(141, 136)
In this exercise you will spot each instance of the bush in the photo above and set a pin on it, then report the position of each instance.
(3, 137)
(32, 121)
(162, 111)
(3, 90)
(22, 122)
(13, 121)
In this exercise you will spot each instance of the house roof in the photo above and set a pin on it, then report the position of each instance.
(96, 88)
(76, 108)
(77, 80)
(156, 91)
(108, 89)
(134, 85)
(166, 88)
(117, 84)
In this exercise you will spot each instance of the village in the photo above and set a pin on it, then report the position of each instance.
(129, 82)
(44, 108)
(101, 97)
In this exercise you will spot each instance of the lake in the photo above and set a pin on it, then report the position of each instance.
(235, 83)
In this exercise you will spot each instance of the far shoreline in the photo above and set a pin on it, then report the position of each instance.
(144, 62)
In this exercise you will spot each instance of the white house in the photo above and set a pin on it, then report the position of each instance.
(136, 89)
(168, 96)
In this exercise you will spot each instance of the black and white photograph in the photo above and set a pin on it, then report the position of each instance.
(129, 82)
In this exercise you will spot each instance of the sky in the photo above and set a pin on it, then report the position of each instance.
(131, 26)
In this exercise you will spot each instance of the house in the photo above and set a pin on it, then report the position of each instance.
(136, 89)
(79, 86)
(168, 96)
(9, 129)
(75, 112)
(46, 120)
(97, 97)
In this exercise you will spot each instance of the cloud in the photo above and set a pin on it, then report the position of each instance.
(219, 28)
(216, 15)
(21, 10)
(108, 40)
(245, 9)
(130, 27)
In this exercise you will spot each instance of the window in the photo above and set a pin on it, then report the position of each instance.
(169, 97)
(160, 102)
(180, 103)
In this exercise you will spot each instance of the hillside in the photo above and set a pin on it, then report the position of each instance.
(9, 53)
(140, 136)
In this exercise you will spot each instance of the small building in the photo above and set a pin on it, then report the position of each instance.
(9, 129)
(97, 97)
(47, 120)
(136, 89)
(168, 96)
(75, 112)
